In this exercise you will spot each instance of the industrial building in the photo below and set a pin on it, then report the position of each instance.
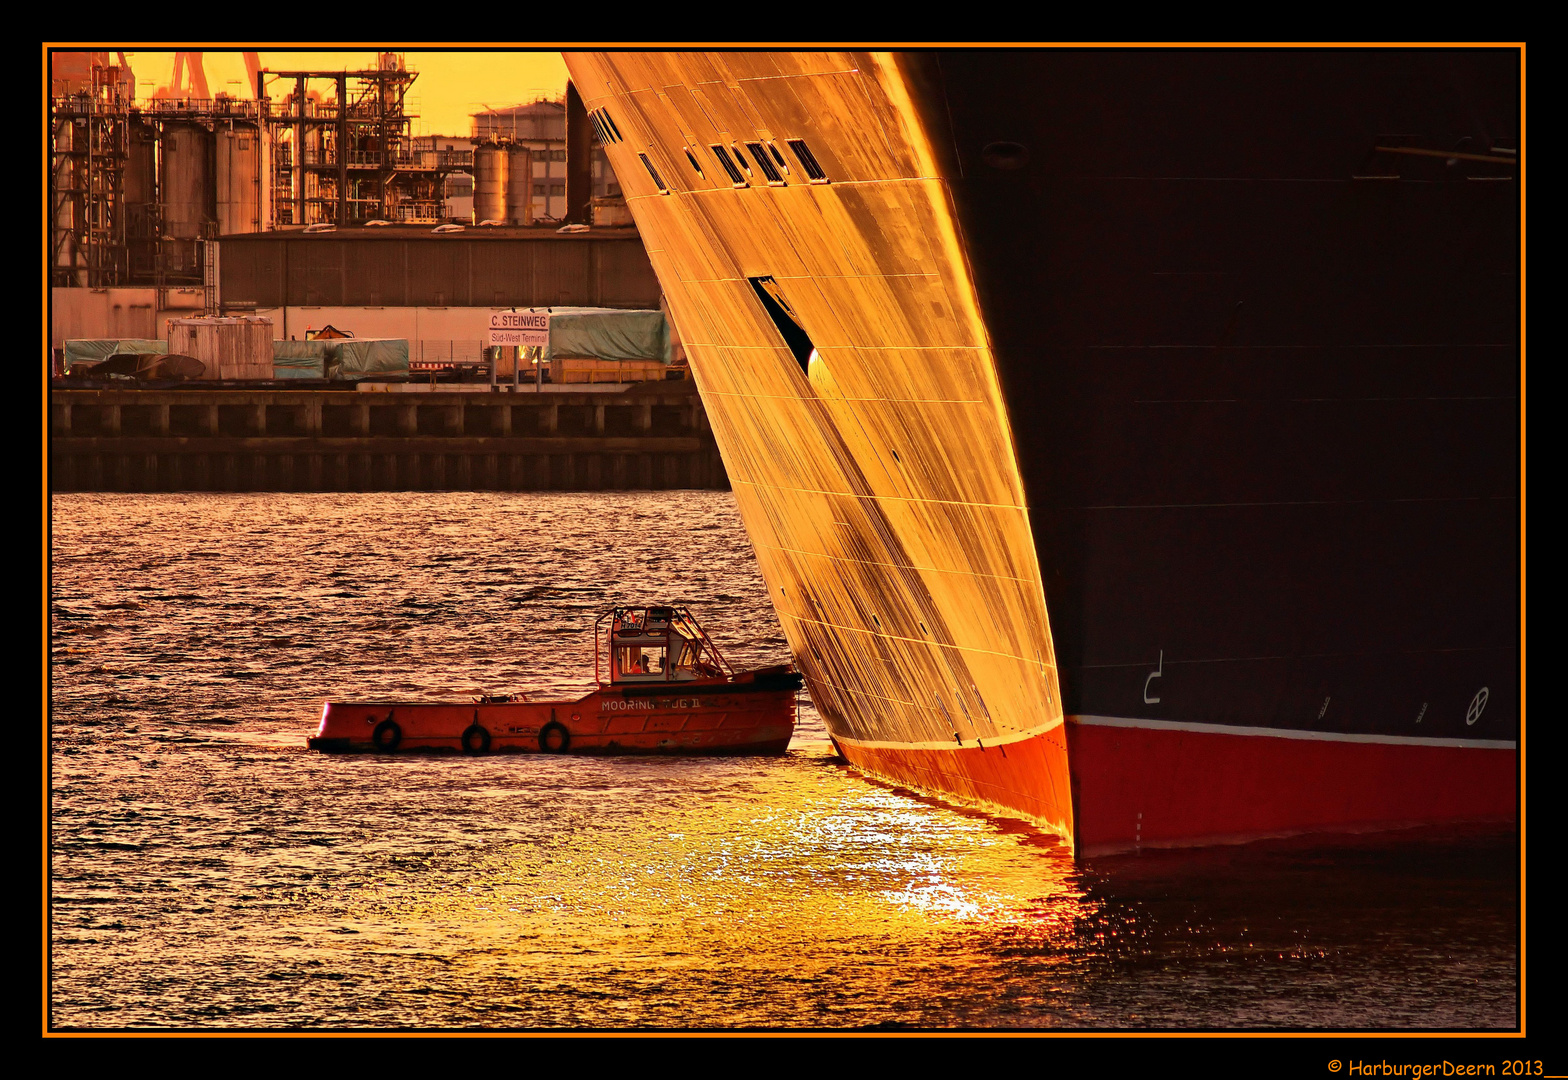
(435, 289)
(312, 202)
(137, 187)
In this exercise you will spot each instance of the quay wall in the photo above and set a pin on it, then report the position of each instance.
(337, 440)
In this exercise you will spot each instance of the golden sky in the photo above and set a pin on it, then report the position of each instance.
(451, 85)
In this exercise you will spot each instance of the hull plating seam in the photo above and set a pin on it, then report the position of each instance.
(889, 496)
(918, 641)
(896, 566)
(968, 744)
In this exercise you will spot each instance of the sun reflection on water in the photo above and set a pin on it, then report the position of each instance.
(810, 880)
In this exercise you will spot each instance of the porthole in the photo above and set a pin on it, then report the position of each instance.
(1005, 155)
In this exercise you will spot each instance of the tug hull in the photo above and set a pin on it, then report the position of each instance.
(753, 714)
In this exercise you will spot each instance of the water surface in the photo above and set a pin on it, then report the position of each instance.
(210, 873)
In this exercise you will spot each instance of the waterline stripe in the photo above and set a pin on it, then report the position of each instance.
(1290, 733)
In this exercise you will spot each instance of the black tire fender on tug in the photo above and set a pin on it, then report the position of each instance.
(476, 740)
(387, 735)
(554, 738)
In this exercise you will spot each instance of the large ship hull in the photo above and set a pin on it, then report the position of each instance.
(1156, 476)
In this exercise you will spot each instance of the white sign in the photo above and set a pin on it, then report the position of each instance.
(520, 328)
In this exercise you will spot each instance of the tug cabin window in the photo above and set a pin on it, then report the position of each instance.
(656, 659)
(641, 662)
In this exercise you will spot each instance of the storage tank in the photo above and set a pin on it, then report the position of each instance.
(242, 163)
(141, 181)
(519, 186)
(231, 348)
(187, 180)
(490, 164)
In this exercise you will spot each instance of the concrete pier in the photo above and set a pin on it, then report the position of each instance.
(341, 440)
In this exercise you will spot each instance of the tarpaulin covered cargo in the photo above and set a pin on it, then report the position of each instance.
(301, 359)
(92, 350)
(608, 334)
(360, 358)
(339, 358)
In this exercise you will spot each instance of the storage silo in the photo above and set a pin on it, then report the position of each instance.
(490, 173)
(231, 348)
(243, 165)
(187, 180)
(519, 186)
(141, 180)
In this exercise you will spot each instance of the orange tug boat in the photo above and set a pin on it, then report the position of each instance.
(670, 691)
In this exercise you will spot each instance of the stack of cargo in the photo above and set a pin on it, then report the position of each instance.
(231, 348)
(589, 345)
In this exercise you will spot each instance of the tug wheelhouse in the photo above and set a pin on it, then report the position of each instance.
(657, 645)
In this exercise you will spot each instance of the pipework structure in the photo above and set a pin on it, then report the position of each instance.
(89, 150)
(139, 189)
(352, 158)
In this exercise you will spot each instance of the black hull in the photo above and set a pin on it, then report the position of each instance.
(1263, 377)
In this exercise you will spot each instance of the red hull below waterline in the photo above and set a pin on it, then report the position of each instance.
(1140, 784)
(1137, 784)
(1026, 778)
